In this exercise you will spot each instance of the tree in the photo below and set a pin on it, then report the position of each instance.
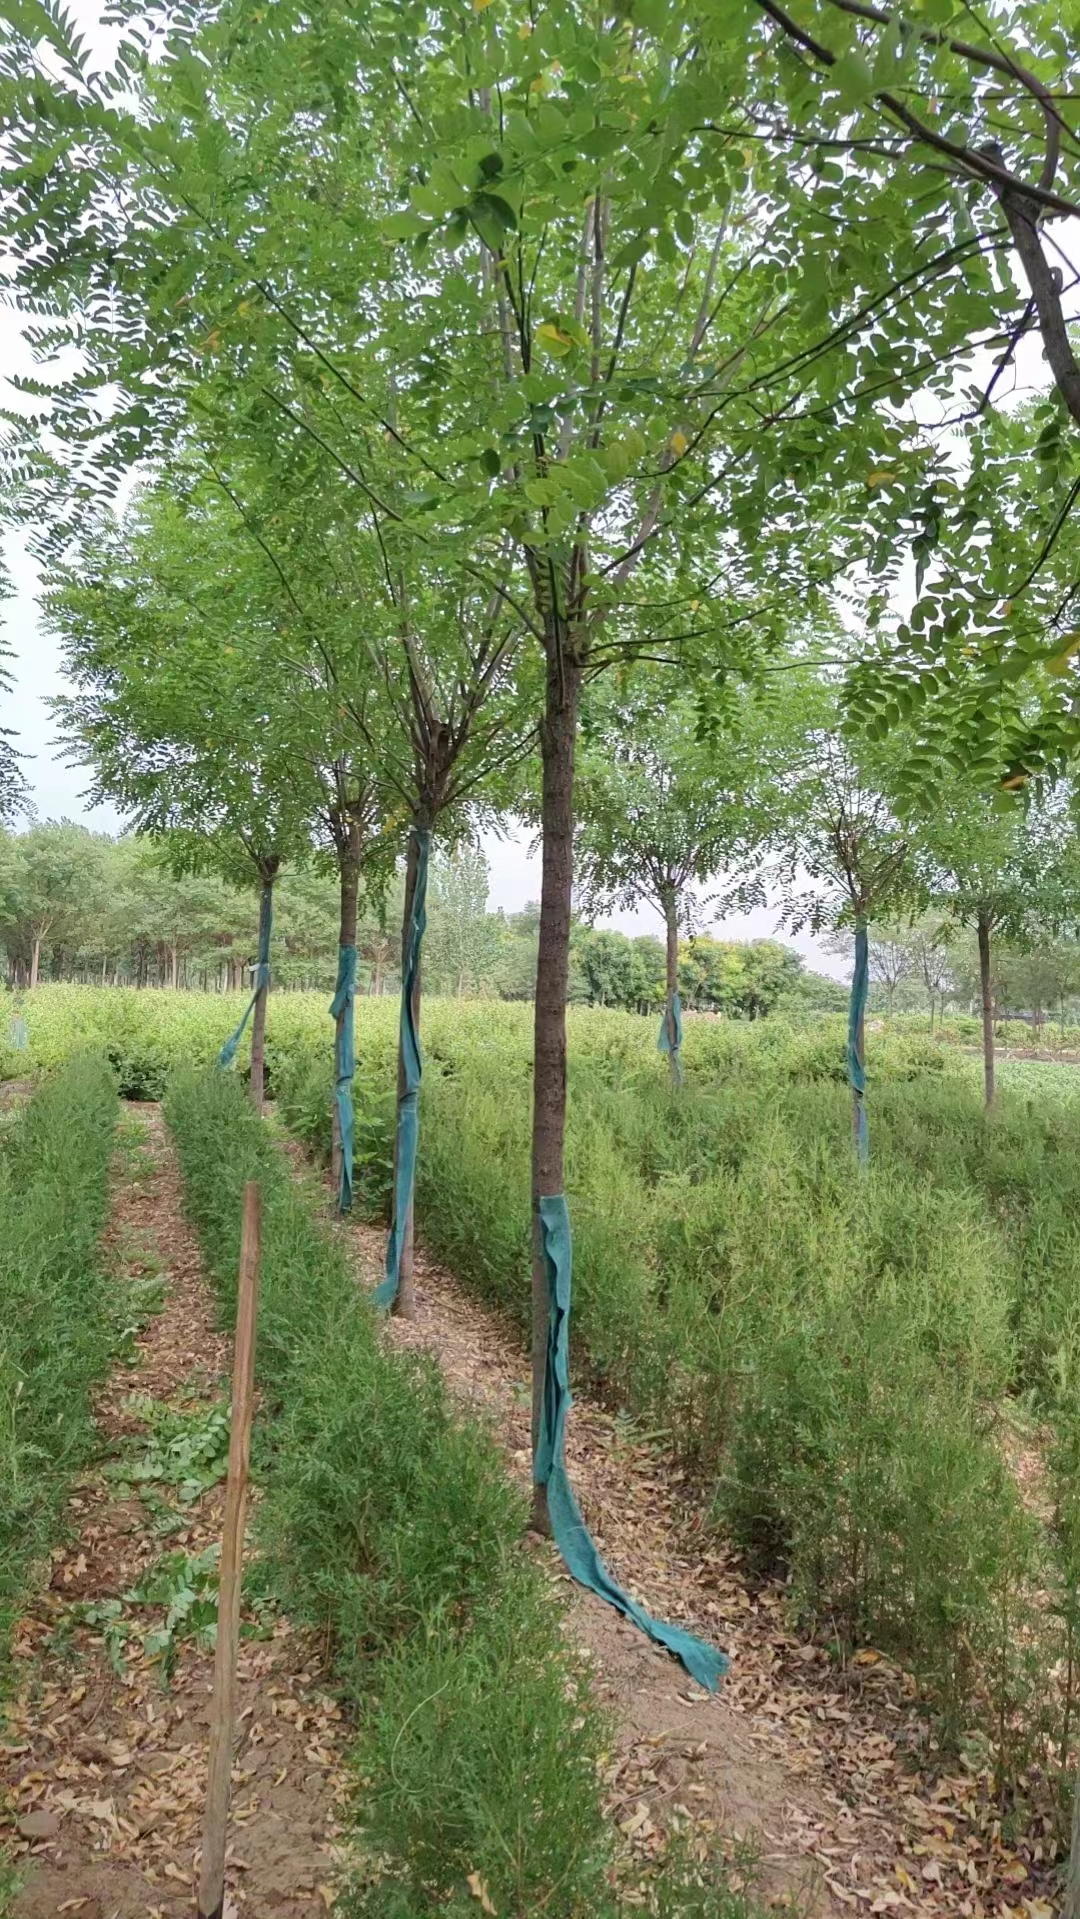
(987, 871)
(53, 882)
(166, 715)
(891, 961)
(554, 200)
(659, 811)
(610, 969)
(535, 390)
(834, 822)
(463, 938)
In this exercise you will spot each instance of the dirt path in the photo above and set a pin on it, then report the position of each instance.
(103, 1764)
(830, 1773)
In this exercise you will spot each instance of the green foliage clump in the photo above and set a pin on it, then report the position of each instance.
(829, 1353)
(392, 1528)
(58, 1326)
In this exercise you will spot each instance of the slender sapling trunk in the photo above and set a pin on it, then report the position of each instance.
(405, 1299)
(349, 872)
(557, 741)
(671, 929)
(983, 929)
(258, 1018)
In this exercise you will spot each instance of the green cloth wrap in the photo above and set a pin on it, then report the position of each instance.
(703, 1662)
(671, 1036)
(262, 976)
(344, 1067)
(408, 1108)
(856, 1066)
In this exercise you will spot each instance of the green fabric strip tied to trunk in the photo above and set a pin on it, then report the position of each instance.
(703, 1662)
(412, 1059)
(261, 977)
(856, 1065)
(671, 1037)
(341, 1009)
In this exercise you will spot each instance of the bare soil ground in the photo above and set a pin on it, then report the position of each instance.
(102, 1765)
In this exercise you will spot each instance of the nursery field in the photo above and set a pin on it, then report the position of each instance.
(872, 1381)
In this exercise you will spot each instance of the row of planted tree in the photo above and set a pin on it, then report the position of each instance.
(541, 412)
(84, 907)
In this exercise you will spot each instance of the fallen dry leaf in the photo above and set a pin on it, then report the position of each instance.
(479, 1891)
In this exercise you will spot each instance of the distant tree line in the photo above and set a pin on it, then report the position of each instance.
(83, 906)
(932, 966)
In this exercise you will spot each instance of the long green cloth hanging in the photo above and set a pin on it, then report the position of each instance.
(856, 1065)
(671, 1037)
(341, 1006)
(261, 977)
(408, 1112)
(703, 1662)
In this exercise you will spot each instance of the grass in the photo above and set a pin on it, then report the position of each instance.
(59, 1327)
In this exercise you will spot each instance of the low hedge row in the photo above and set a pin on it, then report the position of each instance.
(57, 1325)
(391, 1527)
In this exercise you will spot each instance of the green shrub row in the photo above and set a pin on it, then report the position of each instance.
(832, 1354)
(390, 1526)
(146, 1033)
(58, 1325)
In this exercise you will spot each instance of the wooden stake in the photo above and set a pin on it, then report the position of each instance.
(223, 1709)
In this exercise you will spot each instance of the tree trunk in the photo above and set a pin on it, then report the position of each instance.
(671, 930)
(349, 879)
(557, 741)
(405, 1299)
(174, 967)
(857, 1041)
(987, 1009)
(258, 1017)
(35, 963)
(860, 1050)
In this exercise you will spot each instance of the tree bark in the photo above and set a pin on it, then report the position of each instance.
(405, 1301)
(35, 963)
(989, 1089)
(671, 928)
(557, 742)
(349, 874)
(258, 1017)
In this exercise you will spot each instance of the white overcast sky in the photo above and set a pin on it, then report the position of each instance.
(58, 789)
